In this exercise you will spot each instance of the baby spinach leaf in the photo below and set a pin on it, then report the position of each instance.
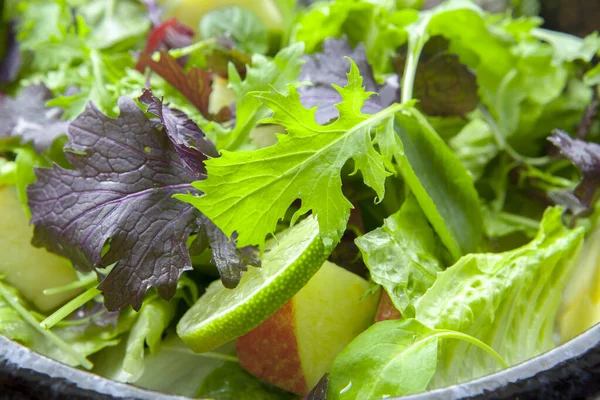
(441, 184)
(391, 358)
(403, 255)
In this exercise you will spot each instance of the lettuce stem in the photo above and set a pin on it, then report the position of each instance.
(68, 308)
(86, 282)
(28, 317)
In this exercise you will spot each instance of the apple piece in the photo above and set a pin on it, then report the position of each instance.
(28, 268)
(386, 309)
(294, 347)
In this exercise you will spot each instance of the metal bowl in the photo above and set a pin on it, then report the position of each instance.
(570, 371)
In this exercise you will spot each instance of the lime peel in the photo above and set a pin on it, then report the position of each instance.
(222, 314)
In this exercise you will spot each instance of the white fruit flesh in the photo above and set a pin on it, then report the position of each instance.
(29, 269)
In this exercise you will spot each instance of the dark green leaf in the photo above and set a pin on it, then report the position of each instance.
(441, 184)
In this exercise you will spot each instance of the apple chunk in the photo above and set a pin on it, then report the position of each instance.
(294, 347)
(386, 309)
(28, 268)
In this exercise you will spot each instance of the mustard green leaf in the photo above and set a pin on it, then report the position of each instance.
(248, 192)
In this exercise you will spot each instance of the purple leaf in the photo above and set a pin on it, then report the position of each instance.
(195, 84)
(117, 205)
(586, 157)
(190, 142)
(330, 67)
(27, 117)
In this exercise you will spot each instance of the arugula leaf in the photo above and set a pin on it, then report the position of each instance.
(277, 73)
(241, 24)
(194, 84)
(329, 68)
(403, 255)
(120, 193)
(27, 117)
(308, 159)
(507, 300)
(442, 186)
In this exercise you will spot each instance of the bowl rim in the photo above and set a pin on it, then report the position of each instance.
(516, 379)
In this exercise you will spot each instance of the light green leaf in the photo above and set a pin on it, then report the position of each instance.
(475, 147)
(248, 192)
(242, 25)
(115, 22)
(178, 370)
(592, 77)
(125, 363)
(393, 358)
(507, 300)
(441, 184)
(8, 172)
(277, 73)
(568, 48)
(402, 255)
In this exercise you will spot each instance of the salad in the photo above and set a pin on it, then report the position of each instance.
(271, 199)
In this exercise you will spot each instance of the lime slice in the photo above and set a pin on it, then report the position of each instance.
(222, 314)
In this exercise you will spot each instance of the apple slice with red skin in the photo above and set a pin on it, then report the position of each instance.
(294, 347)
(386, 309)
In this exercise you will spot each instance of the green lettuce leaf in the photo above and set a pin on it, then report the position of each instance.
(178, 370)
(248, 192)
(125, 362)
(501, 307)
(403, 255)
(231, 381)
(507, 300)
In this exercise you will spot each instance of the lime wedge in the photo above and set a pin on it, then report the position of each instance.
(222, 314)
